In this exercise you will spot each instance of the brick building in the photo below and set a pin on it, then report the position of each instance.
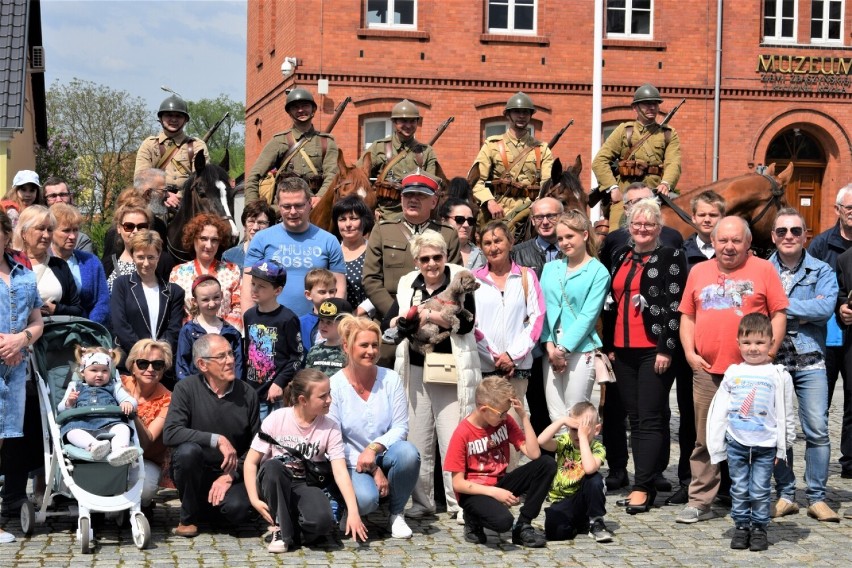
(785, 79)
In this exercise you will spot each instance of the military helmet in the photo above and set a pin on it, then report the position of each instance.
(299, 94)
(173, 104)
(647, 93)
(519, 100)
(405, 109)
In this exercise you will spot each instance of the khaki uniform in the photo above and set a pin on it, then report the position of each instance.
(421, 156)
(180, 165)
(654, 151)
(389, 259)
(273, 153)
(492, 167)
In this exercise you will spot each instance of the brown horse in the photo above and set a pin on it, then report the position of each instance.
(349, 180)
(754, 197)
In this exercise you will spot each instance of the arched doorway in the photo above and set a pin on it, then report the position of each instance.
(808, 157)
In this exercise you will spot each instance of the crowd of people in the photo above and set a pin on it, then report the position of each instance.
(284, 377)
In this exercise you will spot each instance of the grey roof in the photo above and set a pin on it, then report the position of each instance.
(13, 63)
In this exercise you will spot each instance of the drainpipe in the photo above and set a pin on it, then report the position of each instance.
(717, 95)
(597, 92)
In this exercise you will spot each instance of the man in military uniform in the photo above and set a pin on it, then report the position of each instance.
(301, 150)
(514, 162)
(171, 150)
(645, 152)
(394, 157)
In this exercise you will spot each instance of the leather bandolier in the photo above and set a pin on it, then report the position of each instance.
(387, 186)
(507, 185)
(629, 168)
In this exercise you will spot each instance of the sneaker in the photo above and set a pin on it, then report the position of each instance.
(474, 533)
(99, 449)
(691, 515)
(123, 456)
(617, 479)
(782, 508)
(344, 518)
(6, 537)
(460, 517)
(741, 538)
(823, 513)
(398, 528)
(679, 497)
(525, 535)
(419, 512)
(759, 542)
(277, 544)
(848, 514)
(846, 474)
(599, 532)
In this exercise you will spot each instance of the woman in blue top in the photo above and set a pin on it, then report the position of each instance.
(574, 288)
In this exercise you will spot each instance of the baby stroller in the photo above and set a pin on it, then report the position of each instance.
(70, 471)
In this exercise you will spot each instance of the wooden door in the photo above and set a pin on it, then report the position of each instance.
(803, 193)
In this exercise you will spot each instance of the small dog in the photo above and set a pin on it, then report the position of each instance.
(450, 304)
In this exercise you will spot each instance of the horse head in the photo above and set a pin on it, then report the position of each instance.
(349, 180)
(565, 185)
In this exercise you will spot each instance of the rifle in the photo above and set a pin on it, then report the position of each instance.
(214, 128)
(337, 113)
(672, 113)
(558, 135)
(440, 130)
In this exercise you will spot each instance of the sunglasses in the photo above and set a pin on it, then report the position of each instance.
(502, 414)
(130, 227)
(461, 220)
(781, 232)
(433, 258)
(158, 365)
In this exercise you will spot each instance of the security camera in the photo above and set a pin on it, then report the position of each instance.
(288, 67)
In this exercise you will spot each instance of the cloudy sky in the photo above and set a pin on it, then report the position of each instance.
(196, 47)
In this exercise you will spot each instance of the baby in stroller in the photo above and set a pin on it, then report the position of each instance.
(99, 388)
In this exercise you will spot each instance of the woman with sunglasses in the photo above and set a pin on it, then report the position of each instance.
(148, 361)
(129, 219)
(433, 406)
(457, 214)
(641, 324)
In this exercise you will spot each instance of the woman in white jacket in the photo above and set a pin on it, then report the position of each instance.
(433, 407)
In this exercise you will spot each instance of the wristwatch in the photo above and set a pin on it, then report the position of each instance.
(29, 335)
(562, 348)
(375, 447)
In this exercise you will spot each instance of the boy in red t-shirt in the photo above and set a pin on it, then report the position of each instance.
(478, 456)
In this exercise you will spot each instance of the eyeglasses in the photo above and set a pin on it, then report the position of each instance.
(434, 258)
(495, 411)
(296, 207)
(846, 208)
(130, 227)
(64, 195)
(646, 226)
(461, 220)
(158, 365)
(256, 222)
(781, 232)
(549, 216)
(221, 357)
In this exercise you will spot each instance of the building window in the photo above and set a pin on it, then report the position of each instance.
(392, 13)
(376, 129)
(779, 20)
(512, 16)
(629, 18)
(826, 21)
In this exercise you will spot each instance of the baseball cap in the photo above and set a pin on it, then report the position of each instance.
(334, 307)
(419, 183)
(24, 177)
(271, 271)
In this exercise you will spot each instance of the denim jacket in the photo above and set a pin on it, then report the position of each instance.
(813, 297)
(22, 296)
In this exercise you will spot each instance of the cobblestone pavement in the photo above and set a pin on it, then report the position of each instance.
(648, 539)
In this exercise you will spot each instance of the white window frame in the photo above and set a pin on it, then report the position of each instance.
(776, 37)
(825, 22)
(510, 27)
(375, 120)
(628, 33)
(391, 25)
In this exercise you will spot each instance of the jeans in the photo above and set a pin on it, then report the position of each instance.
(570, 516)
(267, 408)
(152, 481)
(401, 464)
(812, 391)
(575, 384)
(751, 483)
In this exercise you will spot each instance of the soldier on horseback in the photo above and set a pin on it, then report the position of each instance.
(644, 151)
(171, 150)
(514, 162)
(300, 151)
(394, 157)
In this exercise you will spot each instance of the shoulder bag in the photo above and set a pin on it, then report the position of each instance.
(317, 474)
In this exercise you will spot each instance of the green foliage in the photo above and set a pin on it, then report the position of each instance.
(230, 136)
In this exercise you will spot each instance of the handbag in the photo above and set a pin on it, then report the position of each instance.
(440, 368)
(317, 474)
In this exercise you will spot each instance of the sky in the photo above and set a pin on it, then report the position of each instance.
(196, 47)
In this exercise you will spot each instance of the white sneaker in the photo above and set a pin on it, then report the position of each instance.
(6, 537)
(398, 527)
(277, 545)
(460, 517)
(99, 449)
(123, 456)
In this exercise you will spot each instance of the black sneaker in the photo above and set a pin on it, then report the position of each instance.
(599, 532)
(473, 532)
(679, 497)
(759, 542)
(741, 537)
(525, 535)
(617, 479)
